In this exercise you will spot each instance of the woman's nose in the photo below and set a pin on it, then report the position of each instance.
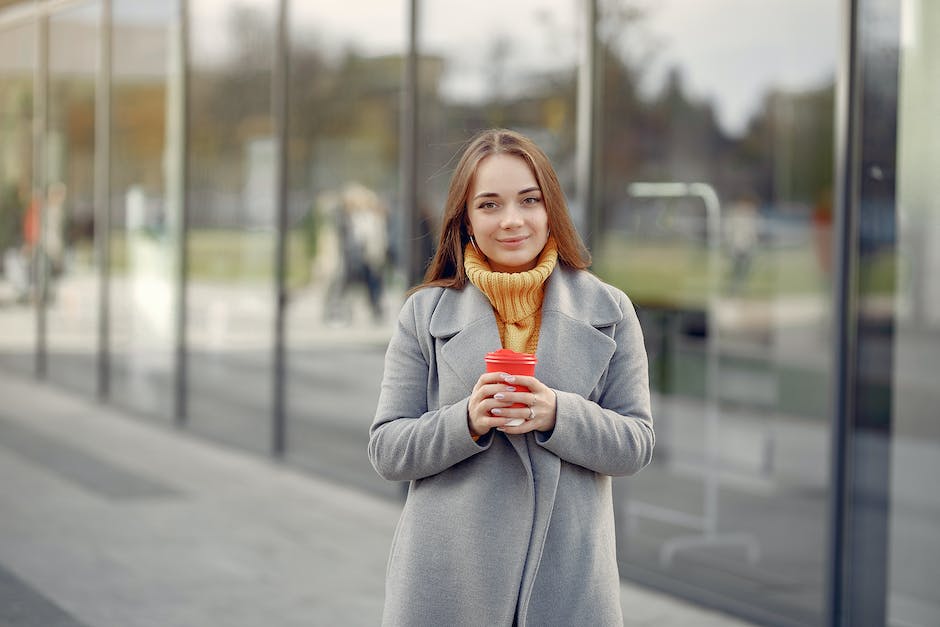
(512, 216)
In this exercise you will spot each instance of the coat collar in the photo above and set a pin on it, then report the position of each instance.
(575, 294)
(572, 352)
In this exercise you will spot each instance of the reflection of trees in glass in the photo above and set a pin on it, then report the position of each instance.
(540, 102)
(230, 104)
(781, 162)
(344, 117)
(138, 133)
(343, 110)
(71, 154)
(785, 156)
(342, 104)
(794, 131)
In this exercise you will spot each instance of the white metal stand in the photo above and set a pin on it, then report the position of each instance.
(707, 523)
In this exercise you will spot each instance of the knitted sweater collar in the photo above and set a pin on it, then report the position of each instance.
(514, 295)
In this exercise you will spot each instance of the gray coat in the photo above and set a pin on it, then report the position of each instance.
(514, 529)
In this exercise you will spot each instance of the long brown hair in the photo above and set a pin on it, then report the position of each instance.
(446, 268)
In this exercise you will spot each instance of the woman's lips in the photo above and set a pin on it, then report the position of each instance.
(513, 242)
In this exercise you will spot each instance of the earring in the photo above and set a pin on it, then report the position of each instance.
(474, 244)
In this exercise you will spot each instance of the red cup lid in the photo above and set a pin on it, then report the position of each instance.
(508, 355)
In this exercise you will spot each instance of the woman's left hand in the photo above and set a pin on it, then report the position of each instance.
(539, 401)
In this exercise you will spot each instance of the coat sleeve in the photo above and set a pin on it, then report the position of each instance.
(408, 440)
(613, 436)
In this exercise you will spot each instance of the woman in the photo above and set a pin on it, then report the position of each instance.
(507, 525)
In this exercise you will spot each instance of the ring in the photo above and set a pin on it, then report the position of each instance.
(531, 413)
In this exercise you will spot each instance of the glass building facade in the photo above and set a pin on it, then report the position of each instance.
(210, 213)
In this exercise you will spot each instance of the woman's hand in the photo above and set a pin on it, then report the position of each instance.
(491, 401)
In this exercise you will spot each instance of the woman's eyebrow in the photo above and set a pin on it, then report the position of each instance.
(487, 195)
(534, 188)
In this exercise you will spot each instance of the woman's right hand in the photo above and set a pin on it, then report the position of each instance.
(484, 399)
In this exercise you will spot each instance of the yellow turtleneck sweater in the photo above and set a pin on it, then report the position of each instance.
(516, 296)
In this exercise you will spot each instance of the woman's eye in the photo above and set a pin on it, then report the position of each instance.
(488, 205)
(531, 200)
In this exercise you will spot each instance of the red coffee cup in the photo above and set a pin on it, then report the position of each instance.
(511, 362)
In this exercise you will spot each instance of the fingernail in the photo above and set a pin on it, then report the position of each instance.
(508, 378)
(509, 388)
(496, 411)
(499, 396)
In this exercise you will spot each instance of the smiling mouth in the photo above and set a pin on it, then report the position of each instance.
(513, 240)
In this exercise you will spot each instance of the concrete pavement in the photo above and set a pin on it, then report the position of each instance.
(111, 520)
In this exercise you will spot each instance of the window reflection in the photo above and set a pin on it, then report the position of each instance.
(70, 226)
(716, 179)
(144, 208)
(914, 549)
(17, 221)
(231, 237)
(345, 221)
(499, 65)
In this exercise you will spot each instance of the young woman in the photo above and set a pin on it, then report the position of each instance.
(509, 525)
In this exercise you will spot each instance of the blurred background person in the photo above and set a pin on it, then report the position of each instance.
(742, 237)
(365, 243)
(352, 251)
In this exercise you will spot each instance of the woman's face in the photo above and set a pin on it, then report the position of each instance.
(507, 216)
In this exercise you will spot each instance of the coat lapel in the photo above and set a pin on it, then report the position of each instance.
(467, 324)
(574, 349)
(465, 320)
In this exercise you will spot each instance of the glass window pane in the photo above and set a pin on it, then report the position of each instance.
(70, 226)
(18, 232)
(344, 213)
(145, 152)
(716, 174)
(231, 238)
(501, 64)
(914, 537)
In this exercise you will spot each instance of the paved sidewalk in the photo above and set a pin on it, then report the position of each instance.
(110, 520)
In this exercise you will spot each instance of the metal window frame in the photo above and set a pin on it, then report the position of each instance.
(40, 131)
(844, 307)
(181, 354)
(587, 120)
(408, 151)
(280, 91)
(861, 433)
(102, 195)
